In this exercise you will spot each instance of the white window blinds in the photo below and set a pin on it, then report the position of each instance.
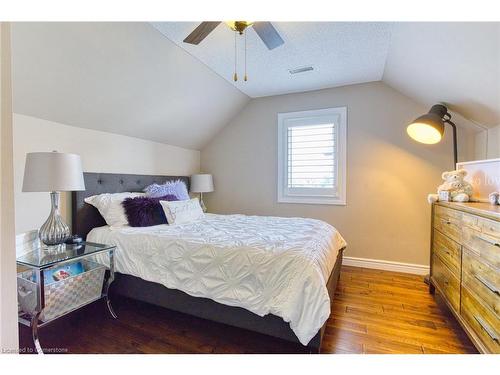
(311, 156)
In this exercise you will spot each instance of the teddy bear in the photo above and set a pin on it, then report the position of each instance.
(494, 197)
(459, 190)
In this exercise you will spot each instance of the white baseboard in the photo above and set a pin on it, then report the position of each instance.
(386, 265)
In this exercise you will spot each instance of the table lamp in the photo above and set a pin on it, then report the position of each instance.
(53, 172)
(202, 183)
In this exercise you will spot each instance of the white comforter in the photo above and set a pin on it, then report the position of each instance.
(263, 264)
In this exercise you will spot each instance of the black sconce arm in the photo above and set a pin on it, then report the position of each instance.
(455, 148)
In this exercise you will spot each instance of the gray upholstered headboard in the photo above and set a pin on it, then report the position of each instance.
(86, 217)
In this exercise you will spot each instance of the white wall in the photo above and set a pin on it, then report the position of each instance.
(119, 77)
(456, 63)
(389, 175)
(488, 144)
(8, 290)
(100, 152)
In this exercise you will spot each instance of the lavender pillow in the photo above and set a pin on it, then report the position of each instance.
(176, 188)
(145, 211)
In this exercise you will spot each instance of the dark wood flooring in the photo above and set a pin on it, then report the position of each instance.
(373, 312)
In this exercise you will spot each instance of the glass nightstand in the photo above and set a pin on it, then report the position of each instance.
(43, 300)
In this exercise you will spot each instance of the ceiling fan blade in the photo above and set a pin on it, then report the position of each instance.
(268, 34)
(201, 32)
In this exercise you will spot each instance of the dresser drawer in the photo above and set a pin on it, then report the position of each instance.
(471, 221)
(448, 222)
(448, 250)
(447, 283)
(446, 212)
(483, 321)
(483, 280)
(490, 228)
(483, 244)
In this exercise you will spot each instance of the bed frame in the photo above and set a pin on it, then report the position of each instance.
(85, 217)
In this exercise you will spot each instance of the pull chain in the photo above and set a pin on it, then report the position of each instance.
(235, 77)
(245, 78)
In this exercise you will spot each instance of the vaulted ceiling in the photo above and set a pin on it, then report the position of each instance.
(335, 51)
(139, 79)
(454, 63)
(123, 78)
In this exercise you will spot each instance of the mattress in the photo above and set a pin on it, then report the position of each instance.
(267, 265)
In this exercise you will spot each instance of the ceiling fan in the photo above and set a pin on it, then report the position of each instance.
(265, 30)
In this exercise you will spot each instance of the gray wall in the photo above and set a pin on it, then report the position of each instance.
(388, 175)
(488, 143)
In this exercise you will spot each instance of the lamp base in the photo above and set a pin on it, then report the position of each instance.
(202, 204)
(54, 231)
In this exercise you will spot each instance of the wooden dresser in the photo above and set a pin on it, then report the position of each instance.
(465, 267)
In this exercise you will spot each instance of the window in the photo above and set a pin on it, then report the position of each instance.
(312, 156)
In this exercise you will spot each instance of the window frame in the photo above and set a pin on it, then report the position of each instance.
(338, 116)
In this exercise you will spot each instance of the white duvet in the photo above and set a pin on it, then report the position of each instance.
(268, 265)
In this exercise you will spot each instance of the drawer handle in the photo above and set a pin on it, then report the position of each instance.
(487, 284)
(488, 240)
(487, 329)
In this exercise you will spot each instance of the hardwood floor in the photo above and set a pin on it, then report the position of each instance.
(373, 312)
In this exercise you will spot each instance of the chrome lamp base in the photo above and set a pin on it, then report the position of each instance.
(202, 204)
(54, 231)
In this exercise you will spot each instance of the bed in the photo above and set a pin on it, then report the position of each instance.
(271, 275)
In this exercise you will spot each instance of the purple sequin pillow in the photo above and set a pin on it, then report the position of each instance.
(146, 211)
(176, 188)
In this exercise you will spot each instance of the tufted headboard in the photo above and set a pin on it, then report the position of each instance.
(85, 217)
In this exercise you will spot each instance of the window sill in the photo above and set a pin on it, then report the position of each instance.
(312, 200)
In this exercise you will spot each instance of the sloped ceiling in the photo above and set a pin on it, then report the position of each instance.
(454, 63)
(139, 80)
(123, 78)
(341, 53)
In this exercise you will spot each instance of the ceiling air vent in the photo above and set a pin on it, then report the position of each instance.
(301, 70)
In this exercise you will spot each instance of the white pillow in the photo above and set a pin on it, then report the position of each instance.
(182, 212)
(110, 207)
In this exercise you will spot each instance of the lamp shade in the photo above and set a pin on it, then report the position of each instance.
(429, 128)
(53, 171)
(202, 183)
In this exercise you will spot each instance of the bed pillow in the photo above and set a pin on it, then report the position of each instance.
(145, 211)
(177, 188)
(110, 207)
(182, 212)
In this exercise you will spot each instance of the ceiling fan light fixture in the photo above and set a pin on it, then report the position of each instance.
(239, 26)
(264, 30)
